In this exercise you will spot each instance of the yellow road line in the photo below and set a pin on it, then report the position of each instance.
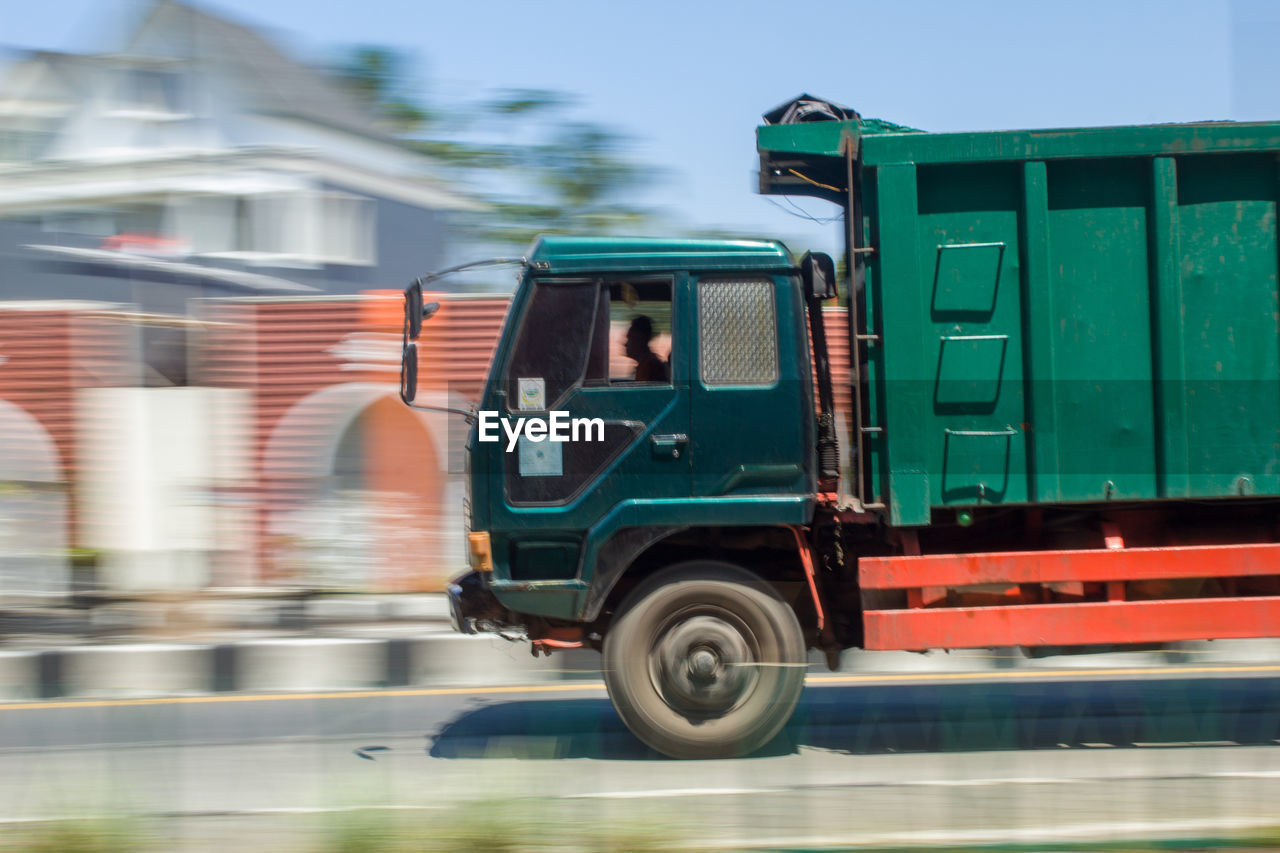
(814, 680)
(289, 697)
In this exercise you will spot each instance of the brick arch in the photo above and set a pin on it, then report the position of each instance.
(356, 488)
(34, 498)
(27, 450)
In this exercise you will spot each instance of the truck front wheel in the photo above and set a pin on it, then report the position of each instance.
(704, 660)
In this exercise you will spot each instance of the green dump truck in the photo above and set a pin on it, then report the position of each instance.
(1057, 422)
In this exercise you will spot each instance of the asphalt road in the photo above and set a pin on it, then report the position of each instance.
(892, 760)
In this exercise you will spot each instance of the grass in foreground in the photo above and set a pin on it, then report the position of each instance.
(108, 835)
(521, 827)
(501, 827)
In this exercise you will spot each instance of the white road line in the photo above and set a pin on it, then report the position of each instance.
(982, 783)
(263, 812)
(668, 792)
(1050, 834)
(1245, 774)
(657, 793)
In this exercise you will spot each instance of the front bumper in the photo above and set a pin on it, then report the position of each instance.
(473, 608)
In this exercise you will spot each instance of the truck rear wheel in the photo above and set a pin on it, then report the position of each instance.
(704, 661)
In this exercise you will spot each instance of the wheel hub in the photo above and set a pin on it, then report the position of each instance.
(704, 665)
(701, 664)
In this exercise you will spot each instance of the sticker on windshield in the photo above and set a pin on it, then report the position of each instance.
(533, 394)
(540, 458)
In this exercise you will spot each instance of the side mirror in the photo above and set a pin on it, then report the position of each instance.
(412, 311)
(409, 372)
(415, 312)
(818, 276)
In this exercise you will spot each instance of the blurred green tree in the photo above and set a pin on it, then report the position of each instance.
(535, 168)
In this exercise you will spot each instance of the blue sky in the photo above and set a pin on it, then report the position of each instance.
(687, 81)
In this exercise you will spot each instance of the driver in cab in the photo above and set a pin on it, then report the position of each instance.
(649, 367)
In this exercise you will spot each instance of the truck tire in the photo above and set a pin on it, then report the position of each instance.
(704, 660)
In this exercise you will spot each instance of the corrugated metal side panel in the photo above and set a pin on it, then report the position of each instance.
(37, 373)
(294, 355)
(457, 344)
(415, 527)
(49, 355)
(389, 495)
(455, 351)
(280, 352)
(105, 351)
(836, 321)
(224, 355)
(224, 351)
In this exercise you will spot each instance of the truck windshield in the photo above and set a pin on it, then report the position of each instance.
(550, 350)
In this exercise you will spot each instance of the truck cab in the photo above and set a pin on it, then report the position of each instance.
(649, 415)
(728, 325)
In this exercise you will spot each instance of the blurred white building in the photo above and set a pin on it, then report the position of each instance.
(202, 146)
(196, 162)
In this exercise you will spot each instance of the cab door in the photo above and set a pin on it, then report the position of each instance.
(631, 439)
(752, 393)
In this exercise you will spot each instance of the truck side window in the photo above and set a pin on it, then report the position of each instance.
(737, 332)
(640, 332)
(550, 352)
(632, 341)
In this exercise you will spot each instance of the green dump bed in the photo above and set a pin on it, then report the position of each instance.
(1064, 316)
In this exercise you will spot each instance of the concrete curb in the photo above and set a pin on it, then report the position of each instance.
(127, 617)
(138, 670)
(450, 660)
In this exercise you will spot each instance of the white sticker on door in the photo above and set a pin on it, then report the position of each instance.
(533, 394)
(541, 458)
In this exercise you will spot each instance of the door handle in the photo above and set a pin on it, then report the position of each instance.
(668, 446)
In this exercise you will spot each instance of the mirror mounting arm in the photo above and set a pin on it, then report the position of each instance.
(468, 414)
